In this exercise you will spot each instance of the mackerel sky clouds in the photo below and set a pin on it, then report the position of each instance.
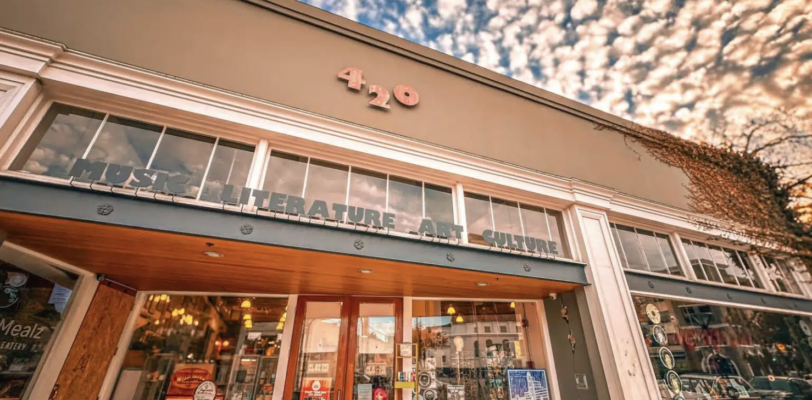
(671, 64)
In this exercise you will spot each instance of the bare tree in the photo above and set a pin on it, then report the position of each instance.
(780, 137)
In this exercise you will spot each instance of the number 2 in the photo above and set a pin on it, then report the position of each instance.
(353, 76)
(382, 96)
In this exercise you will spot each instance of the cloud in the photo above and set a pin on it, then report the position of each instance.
(675, 65)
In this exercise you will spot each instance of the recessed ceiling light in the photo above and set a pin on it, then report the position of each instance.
(481, 284)
(365, 271)
(213, 254)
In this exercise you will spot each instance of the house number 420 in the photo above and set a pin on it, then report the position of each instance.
(405, 95)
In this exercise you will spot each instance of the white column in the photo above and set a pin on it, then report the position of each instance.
(459, 193)
(682, 257)
(620, 344)
(258, 164)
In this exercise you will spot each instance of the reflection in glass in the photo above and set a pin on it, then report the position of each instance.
(742, 274)
(285, 174)
(317, 361)
(718, 347)
(631, 248)
(184, 153)
(406, 202)
(506, 216)
(669, 254)
(368, 189)
(478, 216)
(618, 246)
(729, 274)
(326, 181)
(375, 350)
(31, 309)
(125, 142)
(471, 350)
(535, 222)
(556, 219)
(651, 249)
(781, 275)
(439, 204)
(704, 256)
(200, 338)
(230, 166)
(744, 262)
(59, 140)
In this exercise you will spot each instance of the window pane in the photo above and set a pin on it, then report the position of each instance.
(707, 263)
(439, 204)
(634, 256)
(651, 249)
(125, 142)
(368, 189)
(58, 141)
(669, 254)
(230, 166)
(620, 253)
(741, 273)
(285, 174)
(506, 216)
(406, 202)
(317, 362)
(750, 270)
(694, 259)
(787, 272)
(722, 263)
(803, 272)
(478, 217)
(183, 153)
(556, 219)
(326, 181)
(535, 222)
(182, 341)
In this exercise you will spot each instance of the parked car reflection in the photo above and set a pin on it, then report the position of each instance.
(799, 388)
(713, 387)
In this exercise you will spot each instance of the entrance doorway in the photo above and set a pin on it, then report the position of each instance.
(343, 348)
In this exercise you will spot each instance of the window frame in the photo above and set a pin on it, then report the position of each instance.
(165, 121)
(565, 236)
(675, 249)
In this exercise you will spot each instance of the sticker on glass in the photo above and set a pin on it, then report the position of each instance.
(653, 313)
(659, 336)
(673, 382)
(805, 328)
(666, 357)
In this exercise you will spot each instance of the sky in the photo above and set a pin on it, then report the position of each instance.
(677, 65)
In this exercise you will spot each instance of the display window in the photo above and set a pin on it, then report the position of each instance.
(32, 306)
(466, 348)
(67, 134)
(180, 342)
(705, 351)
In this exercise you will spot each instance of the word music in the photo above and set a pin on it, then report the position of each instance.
(405, 95)
(119, 174)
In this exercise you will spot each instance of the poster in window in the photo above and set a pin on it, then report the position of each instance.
(456, 392)
(316, 388)
(187, 377)
(528, 384)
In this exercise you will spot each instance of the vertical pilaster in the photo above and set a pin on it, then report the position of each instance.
(459, 193)
(620, 342)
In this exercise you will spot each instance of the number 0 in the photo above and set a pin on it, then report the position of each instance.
(406, 95)
(353, 76)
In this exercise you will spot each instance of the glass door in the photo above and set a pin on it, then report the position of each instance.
(344, 349)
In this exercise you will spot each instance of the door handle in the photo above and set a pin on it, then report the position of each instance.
(339, 394)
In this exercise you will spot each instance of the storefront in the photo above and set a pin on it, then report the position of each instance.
(256, 200)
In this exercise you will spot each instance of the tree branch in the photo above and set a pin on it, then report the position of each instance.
(778, 141)
(800, 164)
(799, 182)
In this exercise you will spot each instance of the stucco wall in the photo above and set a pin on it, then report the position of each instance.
(244, 48)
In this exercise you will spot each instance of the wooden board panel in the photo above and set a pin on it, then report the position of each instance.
(84, 370)
(150, 260)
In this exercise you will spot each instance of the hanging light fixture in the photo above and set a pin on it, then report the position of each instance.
(459, 318)
(512, 304)
(196, 322)
(249, 324)
(157, 322)
(284, 317)
(163, 297)
(182, 311)
(217, 342)
(246, 304)
(225, 343)
(174, 313)
(246, 317)
(279, 326)
(451, 310)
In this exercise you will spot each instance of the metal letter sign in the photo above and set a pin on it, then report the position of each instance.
(404, 94)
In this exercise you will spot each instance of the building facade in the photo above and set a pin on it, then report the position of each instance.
(256, 199)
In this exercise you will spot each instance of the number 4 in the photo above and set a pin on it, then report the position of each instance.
(353, 76)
